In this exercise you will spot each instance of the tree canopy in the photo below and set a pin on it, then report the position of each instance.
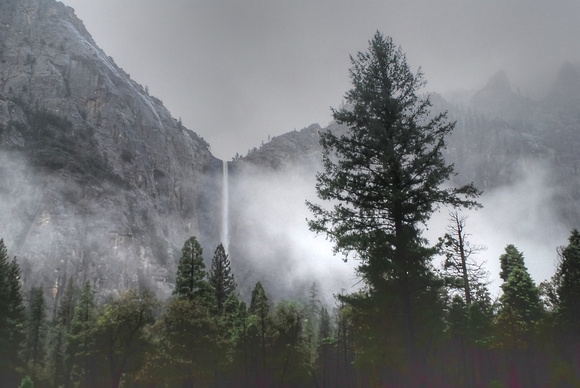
(191, 281)
(384, 178)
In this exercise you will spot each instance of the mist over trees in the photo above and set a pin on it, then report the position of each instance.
(412, 322)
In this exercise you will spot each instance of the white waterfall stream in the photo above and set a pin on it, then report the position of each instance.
(225, 207)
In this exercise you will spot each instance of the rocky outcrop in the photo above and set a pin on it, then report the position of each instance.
(98, 180)
(498, 100)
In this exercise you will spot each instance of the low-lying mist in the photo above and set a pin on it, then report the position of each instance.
(20, 198)
(270, 239)
(272, 243)
(524, 214)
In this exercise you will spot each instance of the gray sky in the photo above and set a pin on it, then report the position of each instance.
(237, 71)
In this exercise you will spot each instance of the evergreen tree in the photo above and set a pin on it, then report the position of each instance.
(35, 326)
(80, 349)
(190, 282)
(260, 312)
(120, 332)
(517, 320)
(220, 277)
(314, 305)
(512, 258)
(11, 318)
(458, 319)
(291, 360)
(55, 354)
(479, 325)
(27, 382)
(188, 347)
(520, 303)
(66, 309)
(385, 176)
(57, 334)
(568, 290)
(236, 317)
(326, 343)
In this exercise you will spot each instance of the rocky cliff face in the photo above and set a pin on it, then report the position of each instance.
(97, 180)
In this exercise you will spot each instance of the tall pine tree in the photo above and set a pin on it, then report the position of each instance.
(35, 326)
(221, 277)
(511, 259)
(80, 356)
(384, 177)
(569, 286)
(191, 282)
(260, 313)
(517, 319)
(520, 303)
(568, 290)
(11, 318)
(57, 334)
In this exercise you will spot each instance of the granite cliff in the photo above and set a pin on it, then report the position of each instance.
(97, 181)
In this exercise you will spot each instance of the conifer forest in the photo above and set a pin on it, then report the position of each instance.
(411, 323)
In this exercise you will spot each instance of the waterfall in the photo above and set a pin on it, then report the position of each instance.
(225, 237)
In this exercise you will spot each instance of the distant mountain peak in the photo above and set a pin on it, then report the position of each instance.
(568, 77)
(498, 98)
(499, 82)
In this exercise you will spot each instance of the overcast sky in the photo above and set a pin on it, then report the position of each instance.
(237, 71)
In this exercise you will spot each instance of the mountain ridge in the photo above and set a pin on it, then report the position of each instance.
(113, 182)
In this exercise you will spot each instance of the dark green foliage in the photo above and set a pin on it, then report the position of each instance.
(66, 309)
(260, 318)
(188, 347)
(389, 166)
(519, 291)
(190, 282)
(120, 333)
(384, 177)
(221, 277)
(568, 289)
(291, 356)
(479, 325)
(81, 346)
(565, 293)
(236, 322)
(520, 303)
(259, 304)
(55, 354)
(35, 326)
(521, 294)
(512, 258)
(27, 382)
(11, 318)
(326, 343)
(458, 318)
(56, 337)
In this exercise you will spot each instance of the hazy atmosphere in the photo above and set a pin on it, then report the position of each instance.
(180, 206)
(238, 71)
